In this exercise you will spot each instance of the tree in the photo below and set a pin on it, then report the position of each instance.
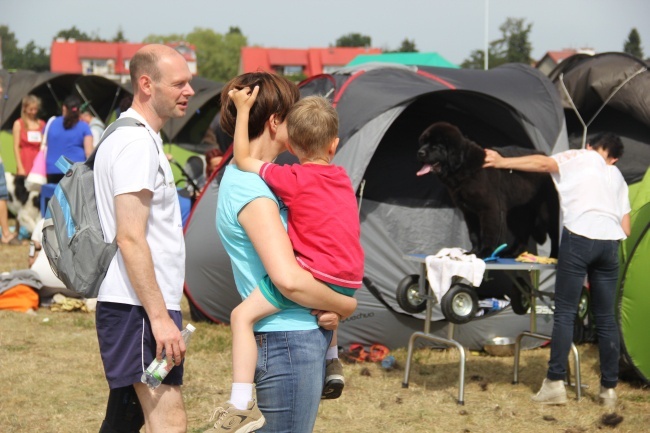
(633, 44)
(10, 52)
(518, 47)
(512, 47)
(407, 47)
(354, 40)
(217, 55)
(35, 58)
(31, 57)
(119, 36)
(73, 33)
(163, 39)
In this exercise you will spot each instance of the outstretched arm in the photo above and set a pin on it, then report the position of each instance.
(244, 100)
(536, 163)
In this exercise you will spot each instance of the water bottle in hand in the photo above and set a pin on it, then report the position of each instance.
(158, 370)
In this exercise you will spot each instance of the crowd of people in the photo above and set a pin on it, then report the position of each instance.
(296, 281)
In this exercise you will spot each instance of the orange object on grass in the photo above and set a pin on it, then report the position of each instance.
(19, 298)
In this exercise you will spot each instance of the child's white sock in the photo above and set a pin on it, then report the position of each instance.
(241, 394)
(332, 352)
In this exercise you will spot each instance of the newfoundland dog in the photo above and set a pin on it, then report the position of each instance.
(499, 206)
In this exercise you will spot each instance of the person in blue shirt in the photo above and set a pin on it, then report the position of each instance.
(67, 136)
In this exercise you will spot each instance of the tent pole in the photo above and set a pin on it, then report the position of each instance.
(117, 93)
(584, 126)
(58, 102)
(615, 91)
(76, 86)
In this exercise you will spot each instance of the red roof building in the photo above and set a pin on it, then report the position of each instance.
(553, 58)
(109, 59)
(290, 61)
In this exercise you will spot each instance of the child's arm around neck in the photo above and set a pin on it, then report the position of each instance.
(244, 100)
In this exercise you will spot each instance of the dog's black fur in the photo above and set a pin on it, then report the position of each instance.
(499, 206)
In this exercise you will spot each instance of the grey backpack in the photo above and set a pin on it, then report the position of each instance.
(73, 239)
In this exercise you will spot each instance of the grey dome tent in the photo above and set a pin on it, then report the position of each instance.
(382, 110)
(102, 94)
(608, 92)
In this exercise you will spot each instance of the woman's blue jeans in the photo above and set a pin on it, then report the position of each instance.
(289, 378)
(598, 259)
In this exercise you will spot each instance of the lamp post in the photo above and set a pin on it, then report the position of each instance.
(485, 56)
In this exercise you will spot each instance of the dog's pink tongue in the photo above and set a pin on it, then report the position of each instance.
(426, 168)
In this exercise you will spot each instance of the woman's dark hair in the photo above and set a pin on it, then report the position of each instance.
(276, 96)
(71, 103)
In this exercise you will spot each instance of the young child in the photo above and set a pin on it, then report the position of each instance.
(323, 226)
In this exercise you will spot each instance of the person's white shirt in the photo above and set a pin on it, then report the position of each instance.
(127, 162)
(593, 195)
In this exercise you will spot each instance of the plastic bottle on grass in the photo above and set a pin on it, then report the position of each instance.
(158, 370)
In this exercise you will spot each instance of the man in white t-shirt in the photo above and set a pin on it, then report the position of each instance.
(138, 309)
(596, 217)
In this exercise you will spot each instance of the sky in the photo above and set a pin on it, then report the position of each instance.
(452, 28)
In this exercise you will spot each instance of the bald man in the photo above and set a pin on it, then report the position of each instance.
(138, 310)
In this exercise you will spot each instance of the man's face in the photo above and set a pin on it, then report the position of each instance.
(171, 94)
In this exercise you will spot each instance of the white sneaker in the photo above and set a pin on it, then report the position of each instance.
(607, 398)
(552, 392)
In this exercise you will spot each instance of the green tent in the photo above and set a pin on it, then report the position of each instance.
(634, 297)
(419, 59)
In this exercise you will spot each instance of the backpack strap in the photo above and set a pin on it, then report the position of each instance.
(122, 121)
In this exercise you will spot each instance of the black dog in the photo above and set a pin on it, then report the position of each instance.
(499, 206)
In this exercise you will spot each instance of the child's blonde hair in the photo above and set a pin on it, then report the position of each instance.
(312, 125)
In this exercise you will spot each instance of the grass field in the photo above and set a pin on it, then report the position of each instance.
(53, 381)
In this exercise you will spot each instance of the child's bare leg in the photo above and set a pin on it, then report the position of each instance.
(244, 346)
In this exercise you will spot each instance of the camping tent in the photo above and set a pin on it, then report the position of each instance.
(188, 131)
(102, 94)
(382, 110)
(608, 92)
(634, 302)
(422, 59)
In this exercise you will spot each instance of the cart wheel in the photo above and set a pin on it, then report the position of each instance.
(519, 301)
(584, 305)
(459, 304)
(408, 295)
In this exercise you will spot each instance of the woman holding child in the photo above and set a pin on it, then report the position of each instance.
(251, 221)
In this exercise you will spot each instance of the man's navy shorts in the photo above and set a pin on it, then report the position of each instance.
(127, 345)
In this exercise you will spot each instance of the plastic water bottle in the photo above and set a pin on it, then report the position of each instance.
(158, 370)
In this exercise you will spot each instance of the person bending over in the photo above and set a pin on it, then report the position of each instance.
(596, 217)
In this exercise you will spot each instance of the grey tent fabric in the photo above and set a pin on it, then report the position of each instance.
(52, 88)
(610, 92)
(382, 112)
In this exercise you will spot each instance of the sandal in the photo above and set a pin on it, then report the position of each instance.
(378, 352)
(357, 353)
